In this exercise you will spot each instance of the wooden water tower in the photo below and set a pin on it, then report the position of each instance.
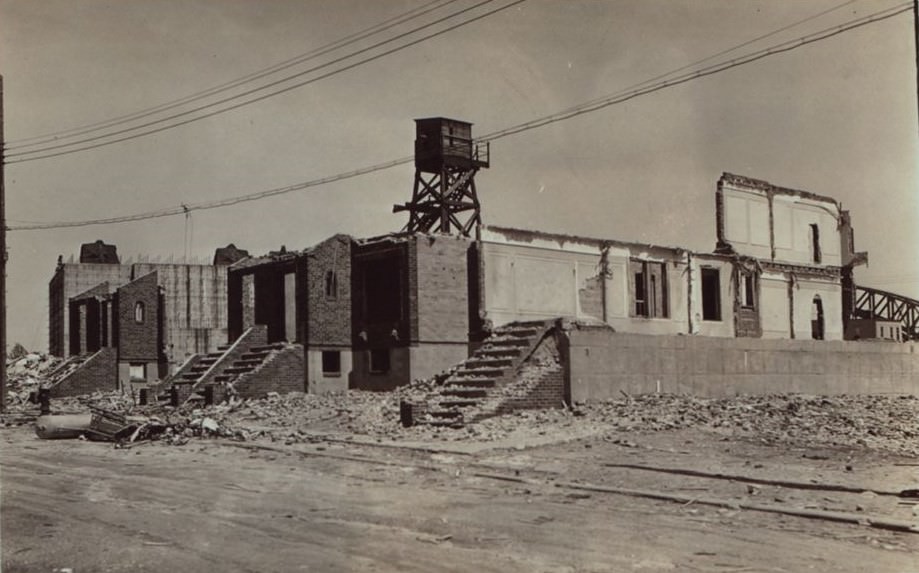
(446, 161)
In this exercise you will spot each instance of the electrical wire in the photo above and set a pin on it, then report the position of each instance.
(567, 114)
(286, 64)
(30, 157)
(622, 97)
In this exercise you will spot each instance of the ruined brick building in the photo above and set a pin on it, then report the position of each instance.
(379, 312)
(143, 319)
(492, 303)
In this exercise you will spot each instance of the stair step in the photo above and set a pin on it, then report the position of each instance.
(238, 369)
(465, 392)
(479, 382)
(254, 355)
(478, 372)
(500, 351)
(249, 362)
(521, 332)
(457, 403)
(224, 347)
(267, 347)
(487, 361)
(223, 378)
(507, 342)
(189, 376)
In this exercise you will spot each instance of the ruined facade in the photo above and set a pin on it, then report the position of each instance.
(302, 297)
(407, 305)
(194, 313)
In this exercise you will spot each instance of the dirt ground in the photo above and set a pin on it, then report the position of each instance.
(344, 501)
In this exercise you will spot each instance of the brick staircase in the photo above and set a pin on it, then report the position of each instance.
(66, 368)
(489, 382)
(223, 368)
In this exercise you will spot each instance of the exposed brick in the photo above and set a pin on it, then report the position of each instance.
(328, 317)
(98, 373)
(139, 340)
(282, 372)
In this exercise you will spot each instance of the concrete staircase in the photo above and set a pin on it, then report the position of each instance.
(477, 386)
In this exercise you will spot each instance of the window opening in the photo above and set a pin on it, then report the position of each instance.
(711, 294)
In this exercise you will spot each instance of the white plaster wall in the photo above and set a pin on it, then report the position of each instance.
(774, 309)
(529, 283)
(319, 383)
(831, 297)
(725, 326)
(746, 221)
(677, 289)
(793, 217)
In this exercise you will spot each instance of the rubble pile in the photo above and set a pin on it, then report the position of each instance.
(25, 374)
(887, 422)
(288, 416)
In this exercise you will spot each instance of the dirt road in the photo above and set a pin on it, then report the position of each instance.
(338, 507)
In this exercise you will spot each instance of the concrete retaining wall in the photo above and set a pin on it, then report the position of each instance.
(603, 364)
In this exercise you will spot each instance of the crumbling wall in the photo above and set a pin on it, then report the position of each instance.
(98, 373)
(539, 383)
(603, 364)
(70, 280)
(528, 283)
(282, 372)
(138, 340)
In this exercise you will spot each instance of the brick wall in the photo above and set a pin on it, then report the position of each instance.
(281, 372)
(538, 383)
(139, 341)
(442, 298)
(327, 319)
(98, 373)
(603, 364)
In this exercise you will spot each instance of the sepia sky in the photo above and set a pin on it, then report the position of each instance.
(836, 117)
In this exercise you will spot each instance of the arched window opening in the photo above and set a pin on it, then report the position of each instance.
(331, 285)
(817, 318)
(139, 312)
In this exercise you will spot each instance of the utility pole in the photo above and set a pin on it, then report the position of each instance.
(2, 256)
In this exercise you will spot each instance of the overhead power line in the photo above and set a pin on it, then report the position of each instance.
(595, 105)
(126, 133)
(286, 64)
(780, 48)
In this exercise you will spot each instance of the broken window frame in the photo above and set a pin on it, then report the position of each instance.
(644, 289)
(378, 360)
(815, 243)
(714, 275)
(328, 362)
(747, 289)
